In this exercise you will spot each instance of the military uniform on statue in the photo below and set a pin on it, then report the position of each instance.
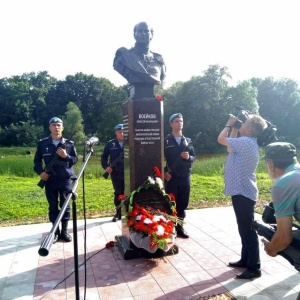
(112, 161)
(179, 158)
(139, 64)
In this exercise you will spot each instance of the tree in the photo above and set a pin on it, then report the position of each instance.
(279, 103)
(201, 101)
(99, 101)
(73, 122)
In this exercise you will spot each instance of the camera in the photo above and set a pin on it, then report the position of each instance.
(269, 133)
(268, 229)
(242, 116)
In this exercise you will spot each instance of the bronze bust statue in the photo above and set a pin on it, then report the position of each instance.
(139, 64)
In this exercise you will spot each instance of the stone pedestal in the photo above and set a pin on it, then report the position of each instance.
(143, 150)
(143, 141)
(142, 91)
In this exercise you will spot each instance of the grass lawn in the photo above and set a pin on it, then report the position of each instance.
(23, 202)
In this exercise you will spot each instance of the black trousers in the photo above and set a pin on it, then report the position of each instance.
(56, 192)
(118, 185)
(244, 212)
(180, 187)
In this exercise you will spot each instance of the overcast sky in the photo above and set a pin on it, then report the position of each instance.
(252, 38)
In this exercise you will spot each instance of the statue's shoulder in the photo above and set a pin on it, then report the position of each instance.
(158, 57)
(122, 51)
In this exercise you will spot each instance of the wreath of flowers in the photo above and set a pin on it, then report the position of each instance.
(151, 222)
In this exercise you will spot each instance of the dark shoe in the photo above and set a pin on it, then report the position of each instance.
(114, 219)
(237, 264)
(64, 233)
(248, 275)
(181, 232)
(65, 236)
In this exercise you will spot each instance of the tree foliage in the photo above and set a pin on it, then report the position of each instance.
(94, 106)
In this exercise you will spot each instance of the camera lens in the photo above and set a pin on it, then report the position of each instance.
(237, 124)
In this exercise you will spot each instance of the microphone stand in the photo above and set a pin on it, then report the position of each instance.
(48, 241)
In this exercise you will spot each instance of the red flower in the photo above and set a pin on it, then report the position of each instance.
(157, 172)
(130, 223)
(121, 197)
(159, 98)
(172, 197)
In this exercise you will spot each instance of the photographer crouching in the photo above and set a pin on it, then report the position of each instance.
(283, 167)
(241, 185)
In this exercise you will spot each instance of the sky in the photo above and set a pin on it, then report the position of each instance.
(252, 38)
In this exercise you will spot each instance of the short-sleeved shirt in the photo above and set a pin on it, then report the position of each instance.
(241, 163)
(286, 193)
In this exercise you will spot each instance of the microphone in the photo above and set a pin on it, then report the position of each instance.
(92, 141)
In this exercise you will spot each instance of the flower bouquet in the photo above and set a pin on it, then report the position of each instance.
(151, 216)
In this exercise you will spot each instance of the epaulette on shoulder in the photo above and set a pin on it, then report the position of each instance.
(121, 50)
(158, 57)
(41, 140)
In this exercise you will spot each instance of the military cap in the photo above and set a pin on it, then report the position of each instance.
(280, 151)
(174, 116)
(55, 120)
(119, 127)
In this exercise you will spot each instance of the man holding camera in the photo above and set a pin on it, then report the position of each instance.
(240, 184)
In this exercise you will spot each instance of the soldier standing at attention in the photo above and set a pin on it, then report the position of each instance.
(58, 182)
(113, 154)
(179, 158)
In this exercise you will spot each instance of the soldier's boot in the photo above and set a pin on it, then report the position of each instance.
(64, 232)
(56, 235)
(119, 213)
(181, 232)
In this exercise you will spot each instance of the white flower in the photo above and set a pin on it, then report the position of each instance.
(159, 182)
(148, 221)
(151, 180)
(160, 230)
(138, 217)
(156, 218)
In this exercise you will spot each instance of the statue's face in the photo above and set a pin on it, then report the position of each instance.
(142, 33)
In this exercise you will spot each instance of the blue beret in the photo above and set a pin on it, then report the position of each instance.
(177, 115)
(119, 127)
(55, 120)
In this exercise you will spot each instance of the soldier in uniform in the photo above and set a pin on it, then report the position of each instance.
(112, 161)
(139, 64)
(57, 182)
(179, 156)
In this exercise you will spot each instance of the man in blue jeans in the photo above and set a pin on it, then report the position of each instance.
(240, 184)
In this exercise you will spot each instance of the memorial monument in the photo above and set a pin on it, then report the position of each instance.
(143, 125)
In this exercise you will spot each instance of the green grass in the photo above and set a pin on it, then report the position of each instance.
(23, 202)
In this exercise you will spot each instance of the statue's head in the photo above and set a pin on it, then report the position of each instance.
(143, 33)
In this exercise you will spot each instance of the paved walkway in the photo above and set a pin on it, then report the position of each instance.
(199, 269)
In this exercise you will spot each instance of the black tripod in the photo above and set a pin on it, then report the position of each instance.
(48, 241)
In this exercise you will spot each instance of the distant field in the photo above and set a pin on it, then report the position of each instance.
(23, 202)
